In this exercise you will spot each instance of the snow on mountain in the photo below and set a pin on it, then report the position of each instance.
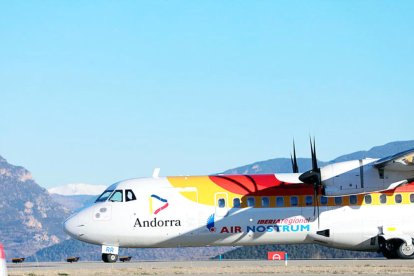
(78, 189)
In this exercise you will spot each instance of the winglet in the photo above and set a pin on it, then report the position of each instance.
(156, 173)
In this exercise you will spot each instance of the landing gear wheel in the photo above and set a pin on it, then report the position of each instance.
(389, 254)
(388, 249)
(109, 258)
(405, 251)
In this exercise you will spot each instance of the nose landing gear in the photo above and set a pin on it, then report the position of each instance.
(110, 253)
(109, 258)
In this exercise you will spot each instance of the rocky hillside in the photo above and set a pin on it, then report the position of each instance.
(29, 219)
(74, 202)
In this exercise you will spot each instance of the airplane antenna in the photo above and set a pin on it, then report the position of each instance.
(156, 173)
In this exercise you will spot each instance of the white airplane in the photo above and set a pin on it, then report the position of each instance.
(363, 205)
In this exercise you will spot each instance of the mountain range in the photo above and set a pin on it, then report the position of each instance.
(76, 196)
(283, 165)
(31, 217)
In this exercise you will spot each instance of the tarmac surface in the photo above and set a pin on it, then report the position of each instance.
(224, 267)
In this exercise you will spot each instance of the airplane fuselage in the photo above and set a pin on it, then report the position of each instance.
(241, 210)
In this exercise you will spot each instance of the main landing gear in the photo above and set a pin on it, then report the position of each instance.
(396, 249)
(109, 258)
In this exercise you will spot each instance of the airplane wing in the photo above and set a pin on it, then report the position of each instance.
(403, 161)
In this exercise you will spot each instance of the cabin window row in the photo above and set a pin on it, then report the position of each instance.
(383, 198)
(293, 201)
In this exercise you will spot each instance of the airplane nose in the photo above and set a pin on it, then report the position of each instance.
(74, 227)
(68, 226)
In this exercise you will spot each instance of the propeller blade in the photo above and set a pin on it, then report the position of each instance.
(293, 159)
(313, 154)
(316, 211)
(313, 177)
(314, 202)
(317, 207)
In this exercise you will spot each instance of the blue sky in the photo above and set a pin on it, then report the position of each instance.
(98, 91)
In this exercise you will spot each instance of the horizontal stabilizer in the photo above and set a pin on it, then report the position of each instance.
(403, 161)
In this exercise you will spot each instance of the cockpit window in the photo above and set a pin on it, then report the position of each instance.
(129, 195)
(116, 196)
(104, 196)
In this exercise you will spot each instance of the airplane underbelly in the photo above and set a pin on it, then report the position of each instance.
(351, 228)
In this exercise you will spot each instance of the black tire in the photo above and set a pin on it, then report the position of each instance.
(109, 258)
(389, 254)
(389, 249)
(105, 258)
(112, 258)
(405, 252)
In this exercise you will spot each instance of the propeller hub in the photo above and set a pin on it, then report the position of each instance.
(311, 176)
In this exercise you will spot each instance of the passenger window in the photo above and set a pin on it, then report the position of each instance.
(398, 198)
(383, 199)
(236, 202)
(265, 202)
(412, 198)
(338, 200)
(104, 196)
(250, 202)
(280, 202)
(308, 200)
(129, 195)
(353, 199)
(324, 200)
(221, 203)
(368, 199)
(294, 201)
(116, 196)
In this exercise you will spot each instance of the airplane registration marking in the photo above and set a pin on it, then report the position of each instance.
(110, 249)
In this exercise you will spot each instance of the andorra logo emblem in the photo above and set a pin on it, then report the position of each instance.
(163, 201)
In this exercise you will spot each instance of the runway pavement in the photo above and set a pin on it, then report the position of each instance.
(251, 267)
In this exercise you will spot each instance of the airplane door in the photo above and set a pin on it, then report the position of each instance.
(221, 203)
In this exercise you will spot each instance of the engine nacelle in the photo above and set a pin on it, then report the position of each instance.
(359, 176)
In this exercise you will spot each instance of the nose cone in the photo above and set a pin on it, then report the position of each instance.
(74, 226)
